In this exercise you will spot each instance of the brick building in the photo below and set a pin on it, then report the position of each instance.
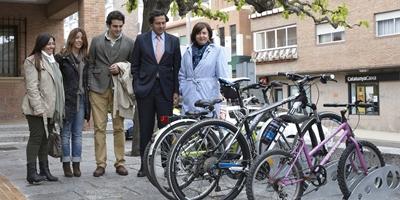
(21, 21)
(365, 60)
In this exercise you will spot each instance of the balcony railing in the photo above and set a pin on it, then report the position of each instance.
(275, 55)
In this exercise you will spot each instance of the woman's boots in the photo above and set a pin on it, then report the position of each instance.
(76, 168)
(45, 171)
(67, 169)
(32, 176)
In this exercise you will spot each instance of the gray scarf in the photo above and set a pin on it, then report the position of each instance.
(60, 98)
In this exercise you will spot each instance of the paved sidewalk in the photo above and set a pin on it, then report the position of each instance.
(112, 186)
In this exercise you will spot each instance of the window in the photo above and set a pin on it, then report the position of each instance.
(8, 51)
(291, 38)
(271, 39)
(275, 38)
(260, 38)
(278, 94)
(222, 35)
(233, 39)
(366, 92)
(281, 37)
(388, 23)
(327, 34)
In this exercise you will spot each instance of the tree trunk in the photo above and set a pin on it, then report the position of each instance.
(150, 5)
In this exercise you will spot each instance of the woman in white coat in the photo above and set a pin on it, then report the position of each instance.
(44, 100)
(202, 64)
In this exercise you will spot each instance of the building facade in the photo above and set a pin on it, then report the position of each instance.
(365, 61)
(20, 23)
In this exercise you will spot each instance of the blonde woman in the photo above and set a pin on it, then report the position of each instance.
(73, 61)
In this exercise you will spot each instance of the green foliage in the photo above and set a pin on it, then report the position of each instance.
(131, 5)
(174, 8)
(286, 14)
(364, 23)
(318, 10)
(202, 11)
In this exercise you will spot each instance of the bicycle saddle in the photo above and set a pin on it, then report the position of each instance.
(232, 81)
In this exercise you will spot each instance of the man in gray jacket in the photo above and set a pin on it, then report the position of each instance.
(105, 51)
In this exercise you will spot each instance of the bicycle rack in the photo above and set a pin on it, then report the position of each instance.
(382, 182)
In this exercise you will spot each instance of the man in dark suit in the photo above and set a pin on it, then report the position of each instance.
(155, 65)
(105, 51)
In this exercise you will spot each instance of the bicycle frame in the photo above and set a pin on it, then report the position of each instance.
(250, 127)
(346, 135)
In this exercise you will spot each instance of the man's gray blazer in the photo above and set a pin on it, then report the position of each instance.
(102, 55)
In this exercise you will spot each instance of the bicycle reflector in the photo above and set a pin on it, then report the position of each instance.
(164, 119)
(270, 132)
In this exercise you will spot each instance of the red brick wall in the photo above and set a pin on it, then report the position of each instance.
(92, 17)
(12, 89)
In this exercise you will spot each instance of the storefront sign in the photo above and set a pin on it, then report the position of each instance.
(373, 77)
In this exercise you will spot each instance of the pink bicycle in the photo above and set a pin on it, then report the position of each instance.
(279, 174)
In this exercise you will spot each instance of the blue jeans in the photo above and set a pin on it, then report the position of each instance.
(71, 135)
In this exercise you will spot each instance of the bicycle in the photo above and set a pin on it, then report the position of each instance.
(196, 157)
(160, 147)
(279, 173)
(158, 150)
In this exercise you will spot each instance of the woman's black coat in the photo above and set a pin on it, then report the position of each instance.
(71, 85)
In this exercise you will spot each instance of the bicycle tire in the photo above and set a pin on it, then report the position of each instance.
(256, 175)
(163, 188)
(325, 117)
(146, 163)
(240, 179)
(343, 173)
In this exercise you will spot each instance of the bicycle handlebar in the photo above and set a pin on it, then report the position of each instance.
(357, 104)
(302, 79)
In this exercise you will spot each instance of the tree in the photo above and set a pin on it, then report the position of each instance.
(318, 10)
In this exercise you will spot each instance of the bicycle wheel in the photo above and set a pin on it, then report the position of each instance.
(147, 156)
(267, 177)
(160, 151)
(146, 163)
(329, 123)
(350, 172)
(197, 167)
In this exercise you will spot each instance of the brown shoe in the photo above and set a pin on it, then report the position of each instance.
(76, 169)
(99, 171)
(67, 169)
(121, 170)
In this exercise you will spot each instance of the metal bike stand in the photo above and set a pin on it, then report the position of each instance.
(382, 183)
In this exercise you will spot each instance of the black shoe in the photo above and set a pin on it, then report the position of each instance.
(141, 173)
(45, 171)
(32, 176)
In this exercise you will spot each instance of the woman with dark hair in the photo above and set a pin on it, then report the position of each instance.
(73, 61)
(202, 64)
(43, 104)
